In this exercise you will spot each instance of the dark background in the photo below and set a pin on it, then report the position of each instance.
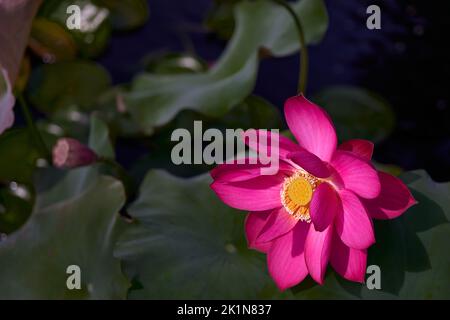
(406, 62)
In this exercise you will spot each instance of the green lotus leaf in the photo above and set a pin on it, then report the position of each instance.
(410, 250)
(60, 86)
(357, 113)
(70, 225)
(51, 41)
(186, 244)
(95, 27)
(77, 231)
(19, 156)
(154, 100)
(253, 113)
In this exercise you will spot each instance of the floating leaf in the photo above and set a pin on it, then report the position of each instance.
(426, 232)
(95, 26)
(73, 231)
(410, 250)
(253, 113)
(113, 110)
(16, 204)
(156, 99)
(174, 63)
(186, 244)
(357, 113)
(19, 156)
(70, 225)
(17, 166)
(220, 19)
(332, 289)
(99, 138)
(67, 84)
(51, 42)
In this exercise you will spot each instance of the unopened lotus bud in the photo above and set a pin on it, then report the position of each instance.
(70, 153)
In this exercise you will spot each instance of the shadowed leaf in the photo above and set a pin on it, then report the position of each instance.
(154, 100)
(186, 244)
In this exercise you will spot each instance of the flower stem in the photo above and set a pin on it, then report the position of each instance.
(303, 47)
(121, 174)
(36, 135)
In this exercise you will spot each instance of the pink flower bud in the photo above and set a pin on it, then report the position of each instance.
(70, 153)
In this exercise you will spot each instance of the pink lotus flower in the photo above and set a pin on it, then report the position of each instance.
(318, 207)
(70, 153)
